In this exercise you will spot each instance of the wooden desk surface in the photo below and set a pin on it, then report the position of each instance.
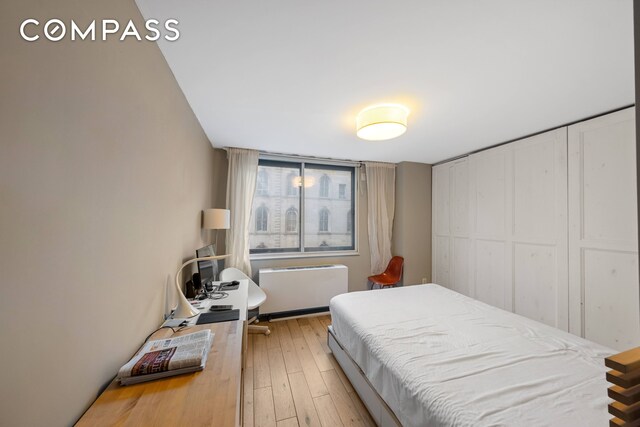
(207, 398)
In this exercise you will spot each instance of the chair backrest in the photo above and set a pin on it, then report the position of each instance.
(394, 269)
(256, 295)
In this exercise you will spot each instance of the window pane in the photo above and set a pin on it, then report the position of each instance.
(275, 222)
(328, 207)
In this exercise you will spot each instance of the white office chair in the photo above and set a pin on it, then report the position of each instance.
(256, 296)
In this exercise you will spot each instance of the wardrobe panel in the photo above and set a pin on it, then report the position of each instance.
(608, 182)
(535, 282)
(450, 224)
(538, 230)
(603, 254)
(535, 180)
(490, 272)
(490, 193)
(460, 266)
(441, 194)
(460, 199)
(611, 298)
(441, 274)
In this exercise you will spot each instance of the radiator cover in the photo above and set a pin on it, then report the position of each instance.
(301, 288)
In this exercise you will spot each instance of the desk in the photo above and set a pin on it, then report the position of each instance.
(237, 298)
(212, 397)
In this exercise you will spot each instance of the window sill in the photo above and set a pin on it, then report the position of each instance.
(293, 255)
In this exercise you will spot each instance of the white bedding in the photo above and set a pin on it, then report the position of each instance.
(439, 358)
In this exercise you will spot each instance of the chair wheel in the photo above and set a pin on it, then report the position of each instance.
(268, 332)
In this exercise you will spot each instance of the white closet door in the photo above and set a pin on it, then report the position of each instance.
(519, 227)
(490, 241)
(450, 258)
(459, 193)
(603, 247)
(538, 228)
(440, 224)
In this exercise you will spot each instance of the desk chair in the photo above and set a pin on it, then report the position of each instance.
(256, 296)
(391, 276)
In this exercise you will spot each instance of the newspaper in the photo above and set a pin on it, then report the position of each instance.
(168, 357)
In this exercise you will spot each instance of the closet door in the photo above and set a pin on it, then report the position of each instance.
(538, 228)
(490, 241)
(451, 225)
(440, 224)
(519, 227)
(603, 247)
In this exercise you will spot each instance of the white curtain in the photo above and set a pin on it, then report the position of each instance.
(241, 185)
(381, 201)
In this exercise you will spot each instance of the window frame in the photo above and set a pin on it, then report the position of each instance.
(312, 252)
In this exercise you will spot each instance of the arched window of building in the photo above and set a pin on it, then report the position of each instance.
(291, 220)
(324, 186)
(324, 220)
(262, 218)
(292, 189)
(349, 221)
(262, 186)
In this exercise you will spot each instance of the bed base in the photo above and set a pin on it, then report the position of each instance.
(379, 410)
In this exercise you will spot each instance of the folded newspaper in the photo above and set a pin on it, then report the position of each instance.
(168, 357)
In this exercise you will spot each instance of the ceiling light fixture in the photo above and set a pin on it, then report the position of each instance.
(382, 121)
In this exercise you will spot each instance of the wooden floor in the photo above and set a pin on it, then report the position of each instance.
(292, 379)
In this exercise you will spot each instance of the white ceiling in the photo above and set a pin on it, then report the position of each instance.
(289, 76)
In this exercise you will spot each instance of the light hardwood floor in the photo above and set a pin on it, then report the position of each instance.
(292, 379)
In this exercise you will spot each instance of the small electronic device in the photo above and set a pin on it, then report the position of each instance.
(229, 286)
(220, 307)
(208, 269)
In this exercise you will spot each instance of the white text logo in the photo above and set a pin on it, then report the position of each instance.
(56, 30)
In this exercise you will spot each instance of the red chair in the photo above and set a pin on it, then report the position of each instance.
(391, 276)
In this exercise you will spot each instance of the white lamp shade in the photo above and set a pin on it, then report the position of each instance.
(216, 219)
(383, 121)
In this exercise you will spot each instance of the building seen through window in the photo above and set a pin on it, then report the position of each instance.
(287, 217)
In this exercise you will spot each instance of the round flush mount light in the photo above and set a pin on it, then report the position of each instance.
(382, 121)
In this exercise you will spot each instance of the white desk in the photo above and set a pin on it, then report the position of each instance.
(237, 298)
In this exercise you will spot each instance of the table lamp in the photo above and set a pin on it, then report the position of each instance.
(184, 307)
(216, 219)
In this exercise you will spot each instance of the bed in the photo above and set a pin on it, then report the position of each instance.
(427, 356)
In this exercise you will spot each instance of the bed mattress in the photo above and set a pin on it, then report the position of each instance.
(439, 358)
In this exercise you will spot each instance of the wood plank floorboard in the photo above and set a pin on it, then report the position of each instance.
(293, 380)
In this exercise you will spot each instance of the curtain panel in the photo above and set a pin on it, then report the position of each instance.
(241, 186)
(381, 185)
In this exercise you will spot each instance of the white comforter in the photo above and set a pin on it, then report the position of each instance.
(439, 358)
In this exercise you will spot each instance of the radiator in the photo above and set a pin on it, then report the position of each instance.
(301, 288)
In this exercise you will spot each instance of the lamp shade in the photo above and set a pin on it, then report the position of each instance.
(216, 219)
(382, 121)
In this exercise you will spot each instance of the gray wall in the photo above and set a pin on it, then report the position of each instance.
(636, 26)
(412, 221)
(104, 170)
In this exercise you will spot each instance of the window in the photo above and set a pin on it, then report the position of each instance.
(342, 191)
(303, 219)
(292, 184)
(324, 186)
(291, 220)
(323, 225)
(262, 186)
(262, 218)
